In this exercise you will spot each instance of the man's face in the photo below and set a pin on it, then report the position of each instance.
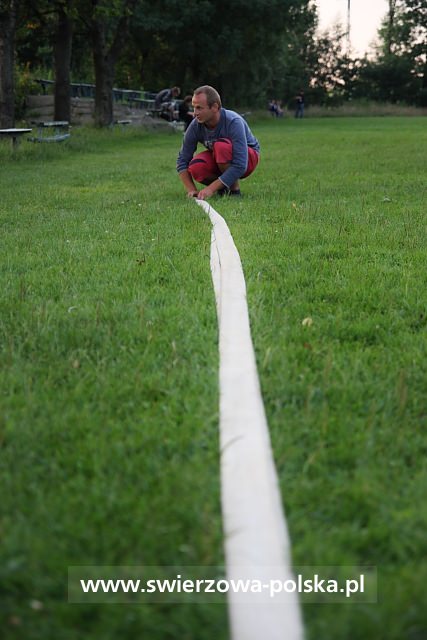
(203, 113)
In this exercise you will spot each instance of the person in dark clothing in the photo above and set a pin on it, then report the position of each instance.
(275, 108)
(165, 100)
(299, 112)
(184, 111)
(272, 107)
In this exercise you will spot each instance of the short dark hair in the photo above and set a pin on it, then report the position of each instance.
(211, 94)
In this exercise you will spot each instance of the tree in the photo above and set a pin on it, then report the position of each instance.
(101, 23)
(109, 26)
(290, 68)
(387, 79)
(235, 45)
(388, 28)
(403, 53)
(44, 40)
(333, 70)
(62, 56)
(8, 10)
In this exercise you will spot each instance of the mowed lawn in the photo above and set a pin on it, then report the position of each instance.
(109, 419)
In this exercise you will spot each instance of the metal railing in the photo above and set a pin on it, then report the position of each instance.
(138, 98)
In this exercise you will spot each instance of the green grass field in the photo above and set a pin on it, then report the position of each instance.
(109, 417)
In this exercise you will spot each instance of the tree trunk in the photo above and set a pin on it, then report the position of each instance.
(390, 26)
(104, 76)
(8, 10)
(105, 57)
(104, 81)
(63, 43)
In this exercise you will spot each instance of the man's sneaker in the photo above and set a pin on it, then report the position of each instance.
(236, 192)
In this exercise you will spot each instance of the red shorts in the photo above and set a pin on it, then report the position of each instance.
(204, 166)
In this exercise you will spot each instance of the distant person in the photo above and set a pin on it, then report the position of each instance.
(275, 108)
(184, 112)
(272, 107)
(165, 101)
(279, 109)
(232, 151)
(299, 111)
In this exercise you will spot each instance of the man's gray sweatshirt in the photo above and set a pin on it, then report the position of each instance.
(232, 126)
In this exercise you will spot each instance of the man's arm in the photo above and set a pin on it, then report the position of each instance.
(208, 191)
(188, 183)
(185, 155)
(239, 160)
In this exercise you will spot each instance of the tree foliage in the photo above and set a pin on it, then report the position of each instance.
(399, 73)
(251, 50)
(109, 23)
(235, 46)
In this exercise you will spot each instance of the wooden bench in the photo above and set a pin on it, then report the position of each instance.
(14, 135)
(55, 131)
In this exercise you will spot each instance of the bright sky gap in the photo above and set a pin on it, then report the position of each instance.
(365, 19)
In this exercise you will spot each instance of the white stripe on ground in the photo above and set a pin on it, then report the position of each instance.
(256, 537)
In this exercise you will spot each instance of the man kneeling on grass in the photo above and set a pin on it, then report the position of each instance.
(232, 149)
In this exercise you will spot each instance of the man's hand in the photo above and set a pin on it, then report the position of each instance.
(192, 194)
(205, 193)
